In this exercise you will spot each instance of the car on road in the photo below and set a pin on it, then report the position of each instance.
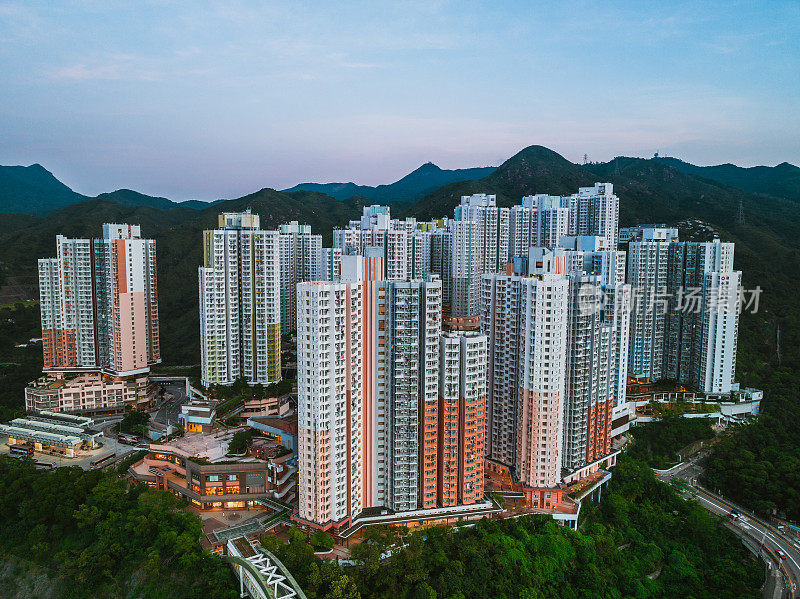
(781, 554)
(734, 515)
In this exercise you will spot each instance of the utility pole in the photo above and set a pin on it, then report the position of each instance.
(740, 213)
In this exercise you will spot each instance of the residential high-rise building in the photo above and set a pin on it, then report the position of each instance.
(461, 418)
(419, 255)
(300, 261)
(647, 275)
(685, 319)
(591, 366)
(330, 406)
(240, 302)
(413, 325)
(595, 211)
(542, 374)
(549, 219)
(377, 229)
(525, 320)
(99, 304)
(492, 229)
(442, 262)
(330, 264)
(702, 318)
(465, 269)
(521, 229)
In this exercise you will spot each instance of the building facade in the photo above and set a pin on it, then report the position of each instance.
(300, 260)
(461, 417)
(99, 304)
(240, 302)
(329, 388)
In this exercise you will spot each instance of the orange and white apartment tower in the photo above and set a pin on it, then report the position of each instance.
(99, 304)
(461, 418)
(526, 320)
(329, 389)
(401, 324)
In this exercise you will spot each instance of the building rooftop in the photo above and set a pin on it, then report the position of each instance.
(287, 423)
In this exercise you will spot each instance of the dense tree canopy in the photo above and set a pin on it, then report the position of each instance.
(644, 540)
(658, 442)
(102, 538)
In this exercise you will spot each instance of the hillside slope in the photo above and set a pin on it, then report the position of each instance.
(33, 190)
(782, 180)
(410, 188)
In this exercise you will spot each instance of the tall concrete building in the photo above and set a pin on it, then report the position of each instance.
(99, 304)
(702, 319)
(442, 262)
(647, 275)
(413, 325)
(465, 269)
(542, 220)
(595, 211)
(549, 219)
(491, 227)
(240, 302)
(376, 229)
(300, 261)
(330, 406)
(525, 320)
(330, 264)
(685, 320)
(542, 373)
(401, 412)
(461, 418)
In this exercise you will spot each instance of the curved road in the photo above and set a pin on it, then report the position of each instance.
(759, 532)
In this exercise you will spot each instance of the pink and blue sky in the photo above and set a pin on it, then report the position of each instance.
(217, 99)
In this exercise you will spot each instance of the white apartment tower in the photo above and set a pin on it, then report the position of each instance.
(647, 275)
(595, 211)
(703, 316)
(465, 269)
(240, 316)
(549, 219)
(413, 325)
(300, 261)
(330, 264)
(492, 227)
(329, 387)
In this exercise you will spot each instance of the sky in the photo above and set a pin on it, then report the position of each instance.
(218, 99)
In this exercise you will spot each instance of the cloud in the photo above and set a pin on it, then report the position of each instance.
(123, 67)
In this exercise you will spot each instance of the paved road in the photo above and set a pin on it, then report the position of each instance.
(175, 396)
(761, 534)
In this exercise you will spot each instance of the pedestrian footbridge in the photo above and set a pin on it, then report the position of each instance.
(261, 574)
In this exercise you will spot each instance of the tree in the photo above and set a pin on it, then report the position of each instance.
(321, 541)
(241, 441)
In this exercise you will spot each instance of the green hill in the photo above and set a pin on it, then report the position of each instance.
(35, 191)
(781, 181)
(410, 188)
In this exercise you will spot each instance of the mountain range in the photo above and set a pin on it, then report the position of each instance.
(767, 242)
(410, 188)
